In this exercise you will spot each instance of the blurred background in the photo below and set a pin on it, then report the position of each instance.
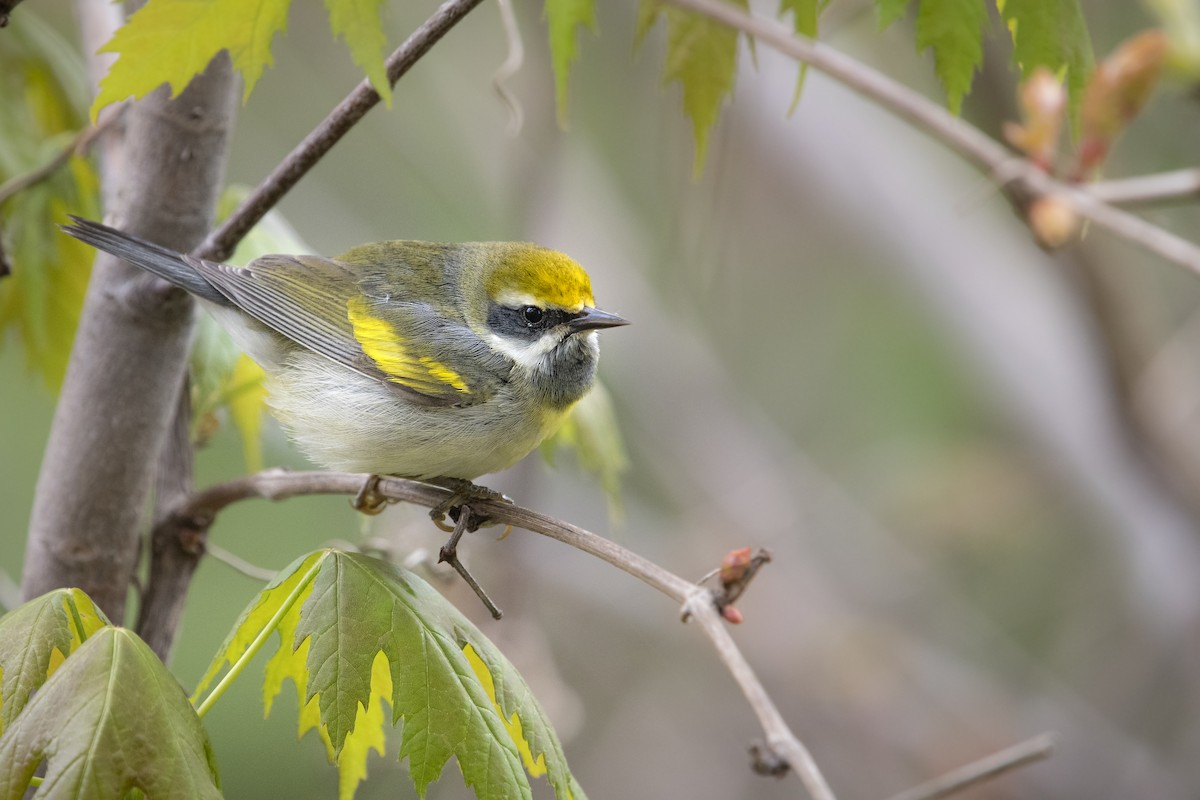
(975, 463)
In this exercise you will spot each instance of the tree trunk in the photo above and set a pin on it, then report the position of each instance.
(127, 366)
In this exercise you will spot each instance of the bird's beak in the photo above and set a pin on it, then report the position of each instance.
(591, 318)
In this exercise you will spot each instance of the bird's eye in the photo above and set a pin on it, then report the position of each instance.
(532, 315)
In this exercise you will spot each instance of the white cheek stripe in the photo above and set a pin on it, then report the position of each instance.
(529, 355)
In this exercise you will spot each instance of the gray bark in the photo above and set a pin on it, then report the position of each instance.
(127, 365)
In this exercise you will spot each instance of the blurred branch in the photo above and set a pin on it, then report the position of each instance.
(782, 744)
(173, 559)
(1027, 752)
(510, 67)
(78, 146)
(1161, 187)
(1020, 179)
(6, 8)
(239, 564)
(221, 242)
(196, 512)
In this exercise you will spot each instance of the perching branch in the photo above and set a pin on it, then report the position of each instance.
(199, 510)
(1027, 752)
(1162, 187)
(1018, 177)
(784, 750)
(221, 243)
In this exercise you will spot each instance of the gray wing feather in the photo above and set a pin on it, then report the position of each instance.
(257, 291)
(167, 264)
(305, 299)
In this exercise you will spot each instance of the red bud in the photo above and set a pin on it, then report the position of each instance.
(734, 564)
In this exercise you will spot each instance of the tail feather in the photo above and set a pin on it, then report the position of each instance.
(161, 261)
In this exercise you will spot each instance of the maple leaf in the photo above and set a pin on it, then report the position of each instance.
(172, 41)
(109, 721)
(35, 638)
(702, 57)
(355, 632)
(953, 30)
(564, 18)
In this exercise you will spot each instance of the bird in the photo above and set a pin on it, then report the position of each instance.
(438, 362)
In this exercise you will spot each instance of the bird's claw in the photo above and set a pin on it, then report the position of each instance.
(463, 493)
(369, 500)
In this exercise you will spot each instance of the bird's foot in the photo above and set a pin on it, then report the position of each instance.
(369, 500)
(463, 493)
(449, 554)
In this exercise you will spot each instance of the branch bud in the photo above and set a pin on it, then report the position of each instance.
(1043, 101)
(1053, 222)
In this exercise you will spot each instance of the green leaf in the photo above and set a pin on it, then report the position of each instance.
(888, 11)
(357, 21)
(953, 29)
(702, 56)
(368, 632)
(564, 18)
(804, 22)
(43, 297)
(212, 361)
(257, 617)
(246, 397)
(592, 433)
(110, 721)
(42, 101)
(35, 638)
(172, 41)
(648, 13)
(1053, 34)
(1180, 19)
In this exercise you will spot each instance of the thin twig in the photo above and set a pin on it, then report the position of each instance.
(781, 742)
(1031, 750)
(510, 67)
(1162, 187)
(222, 241)
(449, 555)
(78, 145)
(238, 564)
(1020, 176)
(698, 602)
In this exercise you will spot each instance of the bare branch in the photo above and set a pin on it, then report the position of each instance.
(782, 743)
(173, 559)
(200, 509)
(238, 564)
(6, 8)
(221, 242)
(1162, 187)
(1017, 176)
(1027, 752)
(78, 145)
(510, 67)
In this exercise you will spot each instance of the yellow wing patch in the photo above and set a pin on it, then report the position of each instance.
(384, 346)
